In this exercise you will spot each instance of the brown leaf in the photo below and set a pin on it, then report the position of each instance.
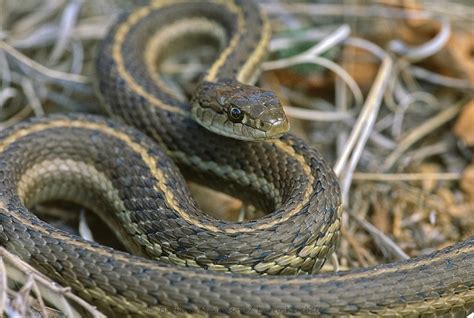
(467, 182)
(464, 128)
(461, 47)
(380, 217)
(360, 65)
(217, 204)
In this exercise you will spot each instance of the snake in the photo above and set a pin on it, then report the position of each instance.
(131, 170)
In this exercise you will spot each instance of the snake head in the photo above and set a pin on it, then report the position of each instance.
(239, 111)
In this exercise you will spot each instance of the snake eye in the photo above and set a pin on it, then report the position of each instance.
(235, 114)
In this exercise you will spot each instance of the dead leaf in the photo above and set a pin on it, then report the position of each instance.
(360, 65)
(380, 217)
(467, 182)
(464, 127)
(217, 204)
(461, 47)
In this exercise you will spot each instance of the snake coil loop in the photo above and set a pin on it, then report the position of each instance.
(196, 263)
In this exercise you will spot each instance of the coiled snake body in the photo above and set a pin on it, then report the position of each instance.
(110, 167)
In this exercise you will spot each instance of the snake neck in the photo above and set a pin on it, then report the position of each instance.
(247, 45)
(150, 34)
(289, 177)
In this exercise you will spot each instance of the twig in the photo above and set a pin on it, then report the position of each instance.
(363, 256)
(84, 229)
(77, 57)
(19, 272)
(383, 241)
(421, 131)
(354, 11)
(35, 70)
(317, 35)
(286, 41)
(422, 153)
(358, 139)
(22, 114)
(3, 286)
(311, 56)
(6, 94)
(366, 122)
(33, 100)
(307, 56)
(438, 79)
(351, 83)
(43, 13)
(20, 302)
(39, 297)
(391, 177)
(406, 101)
(39, 37)
(316, 115)
(367, 45)
(4, 69)
(426, 49)
(68, 20)
(342, 105)
(369, 107)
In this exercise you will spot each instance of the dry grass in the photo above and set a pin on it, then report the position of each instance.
(380, 109)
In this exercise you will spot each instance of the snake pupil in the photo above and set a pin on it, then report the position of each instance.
(235, 114)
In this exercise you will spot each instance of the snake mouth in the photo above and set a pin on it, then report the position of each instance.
(278, 128)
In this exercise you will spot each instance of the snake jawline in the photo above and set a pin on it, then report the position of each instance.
(287, 174)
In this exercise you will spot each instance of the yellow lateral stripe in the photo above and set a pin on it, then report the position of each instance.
(158, 174)
(117, 56)
(225, 278)
(248, 70)
(215, 68)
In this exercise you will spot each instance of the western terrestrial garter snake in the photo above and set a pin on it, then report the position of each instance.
(108, 166)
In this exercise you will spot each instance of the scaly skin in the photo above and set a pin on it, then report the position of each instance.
(115, 169)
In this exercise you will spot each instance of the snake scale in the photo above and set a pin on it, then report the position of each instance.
(185, 261)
